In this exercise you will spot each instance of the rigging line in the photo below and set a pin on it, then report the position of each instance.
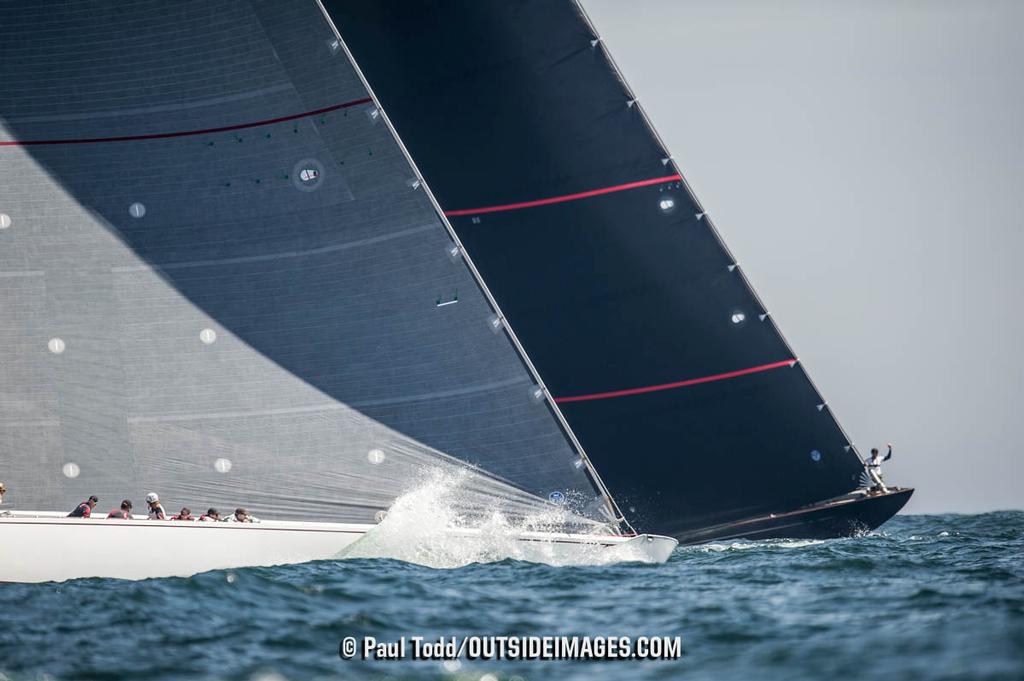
(709, 220)
(564, 197)
(187, 133)
(612, 506)
(678, 384)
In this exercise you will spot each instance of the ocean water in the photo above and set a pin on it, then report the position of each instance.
(926, 597)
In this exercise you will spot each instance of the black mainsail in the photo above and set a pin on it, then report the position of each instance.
(667, 366)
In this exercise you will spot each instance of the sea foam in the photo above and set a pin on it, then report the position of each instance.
(425, 526)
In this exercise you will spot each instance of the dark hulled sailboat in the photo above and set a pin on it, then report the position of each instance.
(669, 369)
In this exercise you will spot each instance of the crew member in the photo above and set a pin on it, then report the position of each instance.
(156, 511)
(874, 468)
(211, 515)
(123, 513)
(186, 514)
(242, 516)
(3, 491)
(84, 509)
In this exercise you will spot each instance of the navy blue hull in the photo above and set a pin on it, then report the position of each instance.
(841, 517)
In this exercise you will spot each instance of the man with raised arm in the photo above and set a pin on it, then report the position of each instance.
(874, 469)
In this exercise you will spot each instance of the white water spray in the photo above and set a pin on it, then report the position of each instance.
(427, 526)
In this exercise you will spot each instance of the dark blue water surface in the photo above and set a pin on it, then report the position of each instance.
(927, 597)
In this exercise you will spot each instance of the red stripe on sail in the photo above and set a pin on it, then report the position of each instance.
(187, 133)
(677, 384)
(565, 197)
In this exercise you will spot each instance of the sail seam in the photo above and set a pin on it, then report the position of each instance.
(186, 133)
(143, 110)
(565, 197)
(677, 384)
(246, 259)
(334, 406)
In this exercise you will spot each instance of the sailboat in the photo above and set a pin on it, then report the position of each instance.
(667, 366)
(224, 279)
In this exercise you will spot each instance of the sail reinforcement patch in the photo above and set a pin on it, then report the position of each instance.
(308, 175)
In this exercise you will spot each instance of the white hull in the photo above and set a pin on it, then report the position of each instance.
(47, 547)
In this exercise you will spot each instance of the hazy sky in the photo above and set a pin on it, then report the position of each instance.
(865, 163)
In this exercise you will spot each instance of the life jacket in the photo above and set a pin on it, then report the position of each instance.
(207, 518)
(83, 510)
(155, 513)
(178, 517)
(119, 514)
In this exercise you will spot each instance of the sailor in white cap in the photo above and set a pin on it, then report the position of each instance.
(156, 511)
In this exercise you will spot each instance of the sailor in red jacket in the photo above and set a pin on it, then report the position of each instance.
(123, 513)
(186, 514)
(84, 509)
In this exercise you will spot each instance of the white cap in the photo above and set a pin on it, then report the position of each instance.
(151, 497)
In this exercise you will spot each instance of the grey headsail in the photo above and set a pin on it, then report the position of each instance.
(221, 280)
